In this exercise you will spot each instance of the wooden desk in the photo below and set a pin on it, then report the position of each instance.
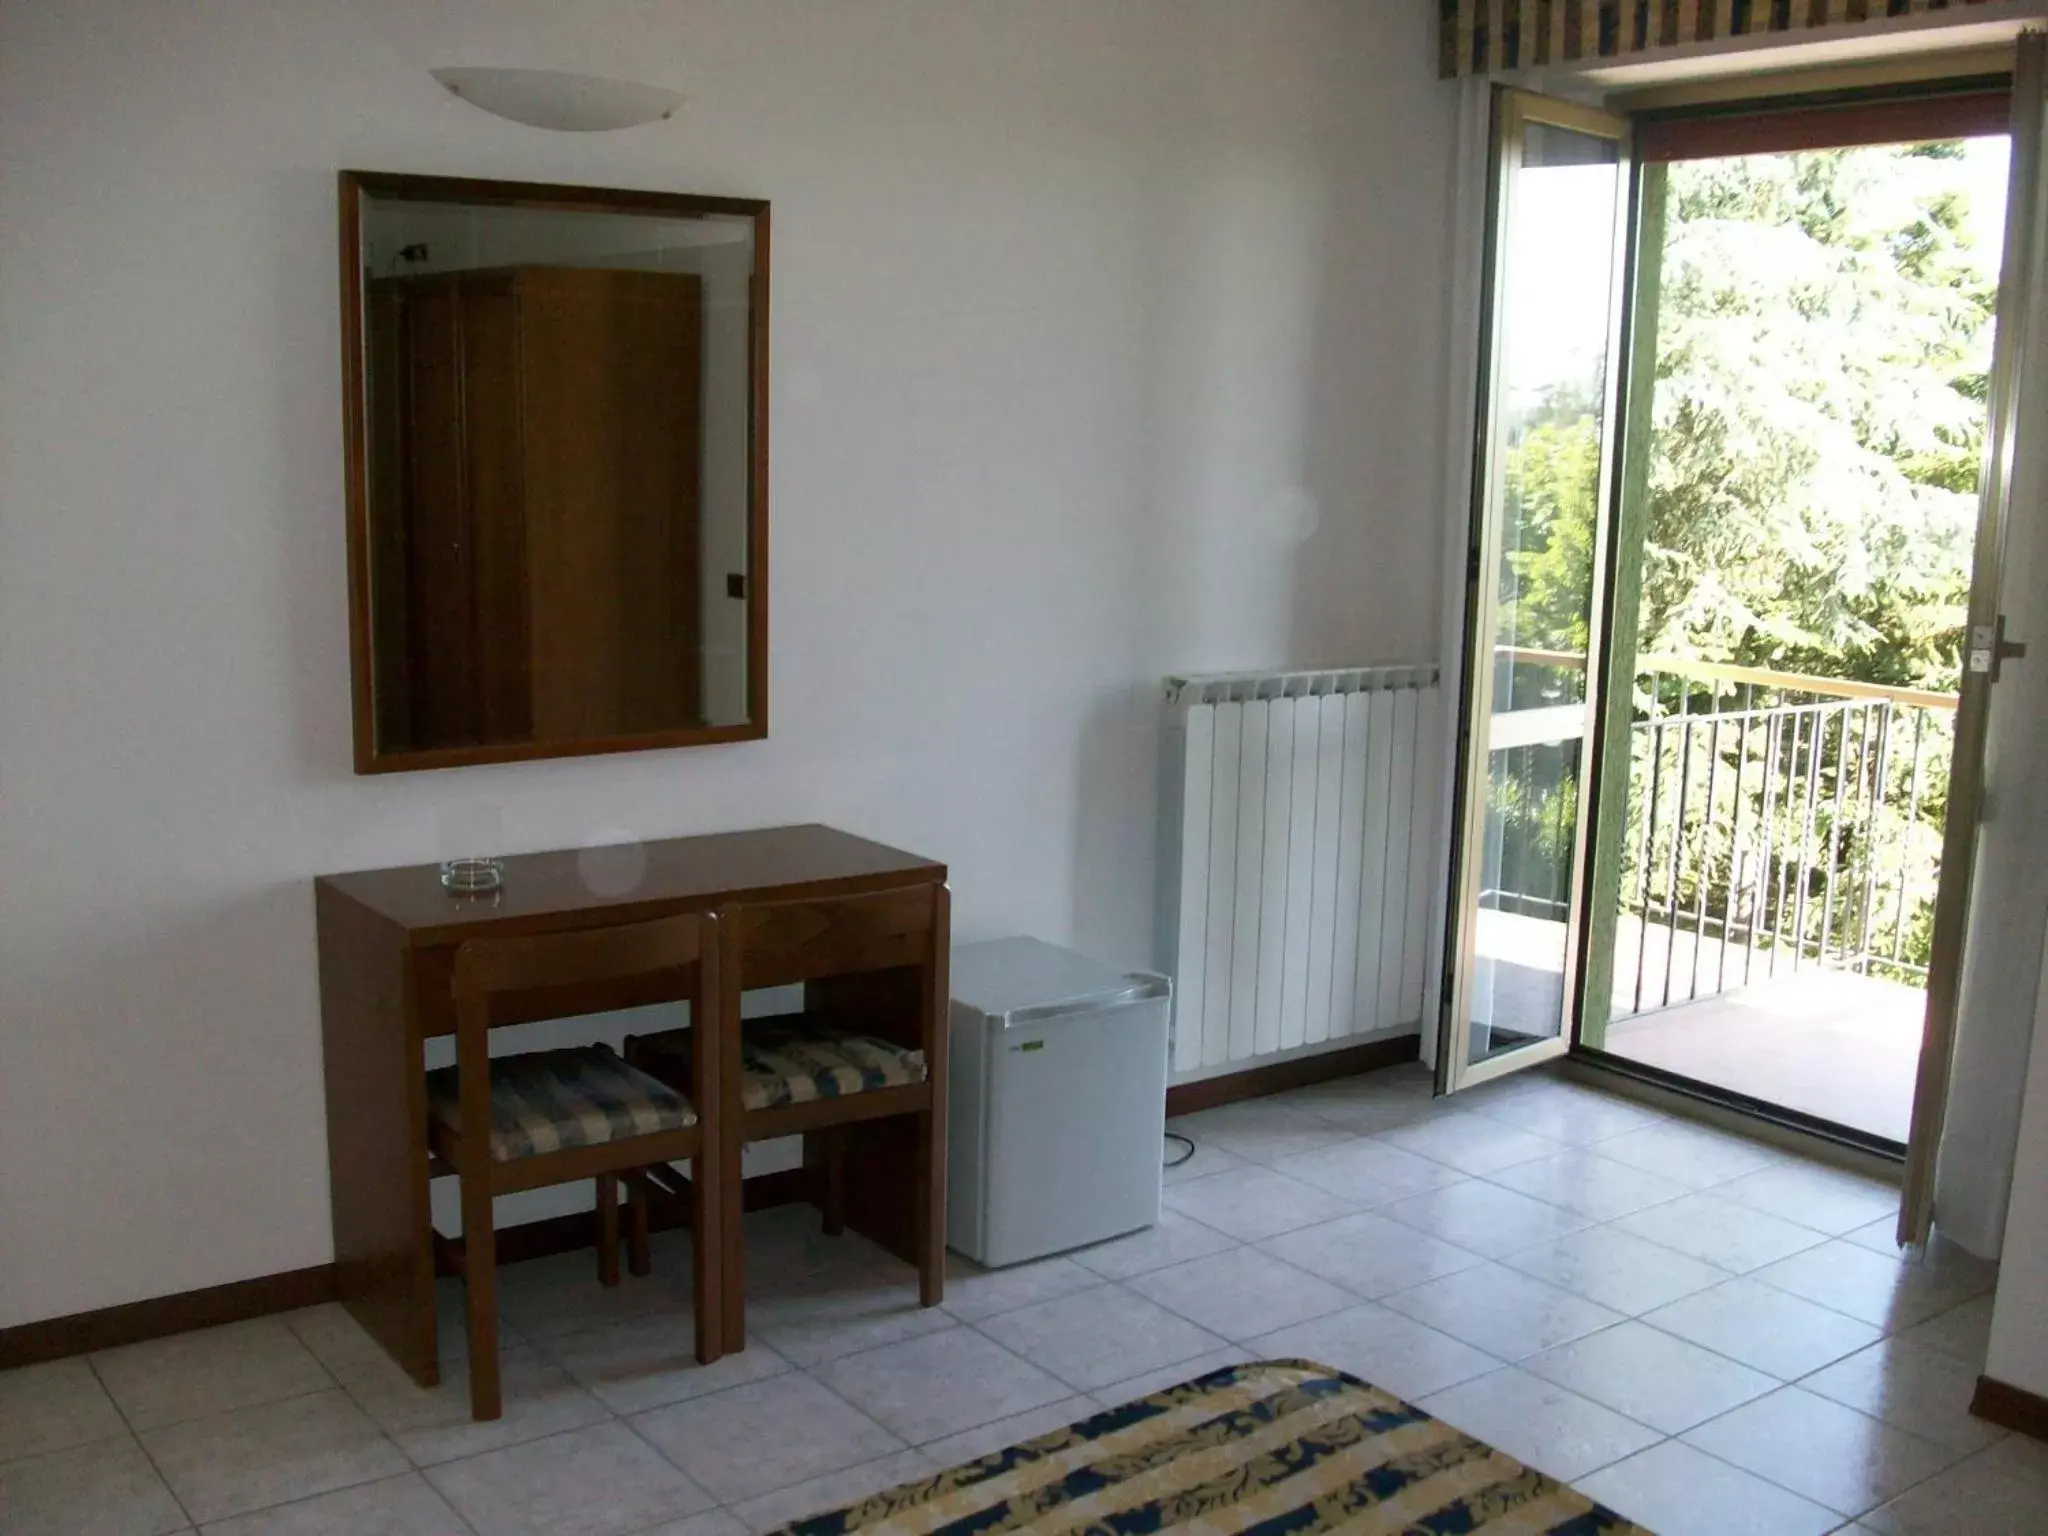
(387, 941)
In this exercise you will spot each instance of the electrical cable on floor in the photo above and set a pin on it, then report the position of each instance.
(1186, 1141)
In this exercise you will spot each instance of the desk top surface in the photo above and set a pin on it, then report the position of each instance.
(768, 864)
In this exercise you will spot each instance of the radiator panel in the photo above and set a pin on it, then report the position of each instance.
(1300, 844)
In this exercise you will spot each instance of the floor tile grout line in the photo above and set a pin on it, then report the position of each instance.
(424, 1467)
(856, 1407)
(1096, 1282)
(354, 1482)
(1599, 1223)
(330, 1381)
(335, 1384)
(805, 1372)
(268, 1402)
(12, 1463)
(1570, 1482)
(1351, 1300)
(388, 1477)
(1610, 1225)
(1679, 1438)
(1967, 1456)
(446, 1502)
(135, 1435)
(1849, 1519)
(1626, 1316)
(1055, 1375)
(1081, 1391)
(1781, 1381)
(957, 1322)
(1757, 1275)
(1480, 1109)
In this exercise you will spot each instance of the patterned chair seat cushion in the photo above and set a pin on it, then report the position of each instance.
(543, 1101)
(791, 1064)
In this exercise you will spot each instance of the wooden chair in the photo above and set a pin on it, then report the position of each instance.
(860, 1074)
(553, 1117)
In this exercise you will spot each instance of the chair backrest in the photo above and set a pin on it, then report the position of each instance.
(596, 958)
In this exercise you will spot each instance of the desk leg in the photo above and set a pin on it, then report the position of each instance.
(935, 1029)
(725, 1187)
(376, 1134)
(892, 1186)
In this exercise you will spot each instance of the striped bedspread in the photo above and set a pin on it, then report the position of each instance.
(1277, 1448)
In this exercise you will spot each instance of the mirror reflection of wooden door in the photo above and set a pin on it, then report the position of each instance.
(537, 569)
(612, 364)
(449, 572)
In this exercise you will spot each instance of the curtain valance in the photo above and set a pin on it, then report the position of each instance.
(1482, 37)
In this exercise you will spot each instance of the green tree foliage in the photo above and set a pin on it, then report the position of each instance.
(1822, 346)
(1823, 340)
(1553, 486)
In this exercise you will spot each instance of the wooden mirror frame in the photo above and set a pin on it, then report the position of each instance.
(519, 194)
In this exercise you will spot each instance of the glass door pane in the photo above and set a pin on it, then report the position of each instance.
(1560, 206)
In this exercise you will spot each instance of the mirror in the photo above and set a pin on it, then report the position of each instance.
(557, 445)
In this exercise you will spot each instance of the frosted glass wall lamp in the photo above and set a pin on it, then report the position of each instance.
(554, 98)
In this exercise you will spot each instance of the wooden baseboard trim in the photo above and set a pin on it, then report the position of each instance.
(132, 1322)
(80, 1333)
(1279, 1076)
(2010, 1407)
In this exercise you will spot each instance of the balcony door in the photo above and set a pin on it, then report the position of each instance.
(1760, 810)
(1542, 479)
(1814, 319)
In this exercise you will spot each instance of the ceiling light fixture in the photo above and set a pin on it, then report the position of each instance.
(557, 99)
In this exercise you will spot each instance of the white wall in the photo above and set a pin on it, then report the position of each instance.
(2019, 1318)
(1108, 340)
(1999, 1066)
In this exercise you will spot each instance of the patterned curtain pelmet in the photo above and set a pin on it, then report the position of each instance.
(1483, 37)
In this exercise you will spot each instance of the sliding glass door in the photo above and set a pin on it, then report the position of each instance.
(1556, 244)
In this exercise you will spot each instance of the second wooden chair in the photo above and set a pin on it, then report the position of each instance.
(860, 1074)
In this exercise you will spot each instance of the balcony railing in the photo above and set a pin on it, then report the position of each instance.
(1776, 821)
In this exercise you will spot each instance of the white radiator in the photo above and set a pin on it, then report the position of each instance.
(1298, 859)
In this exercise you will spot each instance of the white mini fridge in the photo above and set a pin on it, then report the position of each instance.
(1056, 1104)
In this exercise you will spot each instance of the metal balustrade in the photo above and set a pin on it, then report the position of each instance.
(1776, 821)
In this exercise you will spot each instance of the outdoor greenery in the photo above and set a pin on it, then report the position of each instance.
(1823, 340)
(1823, 344)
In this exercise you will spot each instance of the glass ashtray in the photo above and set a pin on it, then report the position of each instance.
(472, 877)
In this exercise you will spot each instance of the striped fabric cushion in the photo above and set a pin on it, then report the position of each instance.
(794, 1066)
(543, 1101)
(791, 1064)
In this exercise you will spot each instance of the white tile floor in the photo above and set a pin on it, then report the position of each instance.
(1712, 1336)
